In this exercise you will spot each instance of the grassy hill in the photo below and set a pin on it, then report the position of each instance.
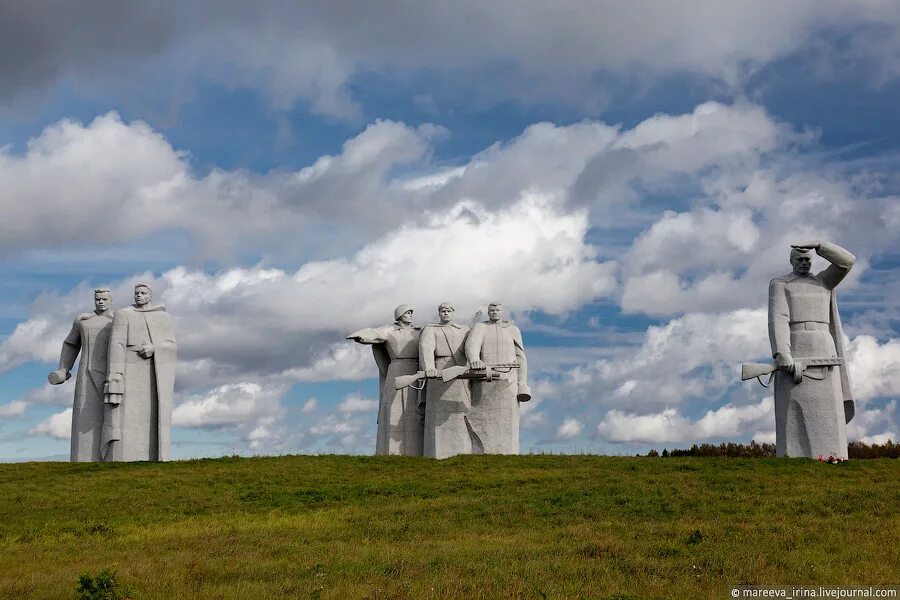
(470, 527)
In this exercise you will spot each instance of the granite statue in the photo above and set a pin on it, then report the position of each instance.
(447, 403)
(140, 381)
(496, 347)
(90, 338)
(401, 412)
(813, 399)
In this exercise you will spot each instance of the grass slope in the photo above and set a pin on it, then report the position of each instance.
(470, 527)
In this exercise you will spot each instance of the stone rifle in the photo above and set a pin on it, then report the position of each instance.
(749, 371)
(488, 373)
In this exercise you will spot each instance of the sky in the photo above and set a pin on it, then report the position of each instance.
(625, 177)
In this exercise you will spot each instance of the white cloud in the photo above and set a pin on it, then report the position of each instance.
(881, 438)
(729, 421)
(534, 254)
(12, 409)
(230, 404)
(732, 421)
(356, 403)
(869, 422)
(665, 426)
(58, 426)
(31, 339)
(56, 395)
(338, 361)
(110, 182)
(569, 428)
(874, 367)
(310, 405)
(694, 356)
(332, 424)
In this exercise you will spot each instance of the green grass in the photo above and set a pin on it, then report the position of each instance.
(470, 527)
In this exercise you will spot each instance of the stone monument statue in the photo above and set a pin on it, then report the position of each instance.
(494, 417)
(400, 413)
(140, 381)
(90, 337)
(813, 401)
(447, 403)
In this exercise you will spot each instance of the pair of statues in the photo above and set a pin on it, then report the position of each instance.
(446, 389)
(125, 382)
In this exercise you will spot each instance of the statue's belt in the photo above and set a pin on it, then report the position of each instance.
(809, 326)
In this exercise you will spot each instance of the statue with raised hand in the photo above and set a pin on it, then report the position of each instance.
(90, 338)
(813, 400)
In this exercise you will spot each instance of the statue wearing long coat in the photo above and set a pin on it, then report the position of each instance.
(400, 416)
(495, 405)
(811, 417)
(447, 405)
(139, 427)
(89, 337)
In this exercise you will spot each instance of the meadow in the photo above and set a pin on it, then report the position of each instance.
(471, 527)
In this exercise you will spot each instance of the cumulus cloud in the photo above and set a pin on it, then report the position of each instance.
(30, 339)
(57, 426)
(669, 425)
(110, 182)
(874, 367)
(569, 428)
(689, 357)
(55, 395)
(874, 423)
(342, 432)
(881, 438)
(229, 404)
(226, 322)
(126, 180)
(356, 403)
(12, 409)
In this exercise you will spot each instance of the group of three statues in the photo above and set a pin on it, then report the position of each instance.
(447, 389)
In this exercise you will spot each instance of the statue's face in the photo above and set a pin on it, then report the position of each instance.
(802, 264)
(495, 312)
(102, 301)
(142, 296)
(446, 314)
(406, 318)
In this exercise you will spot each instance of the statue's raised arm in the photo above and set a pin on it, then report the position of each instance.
(840, 258)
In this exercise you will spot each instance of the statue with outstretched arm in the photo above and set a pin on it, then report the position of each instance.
(400, 414)
(813, 400)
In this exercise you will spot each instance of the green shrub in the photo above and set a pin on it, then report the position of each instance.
(102, 586)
